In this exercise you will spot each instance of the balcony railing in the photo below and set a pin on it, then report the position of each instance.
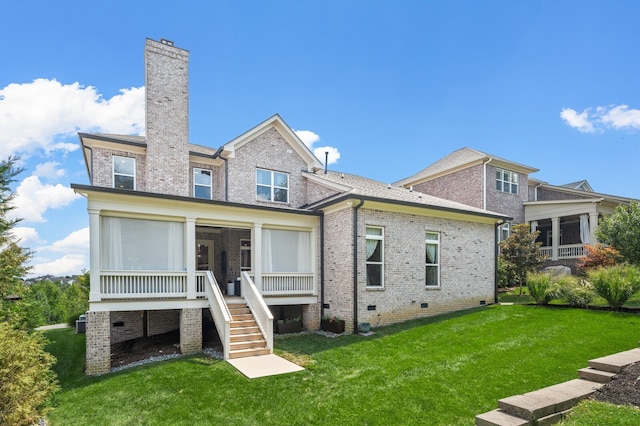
(567, 251)
(173, 285)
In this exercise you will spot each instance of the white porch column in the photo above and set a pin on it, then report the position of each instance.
(593, 225)
(94, 255)
(256, 253)
(190, 258)
(555, 237)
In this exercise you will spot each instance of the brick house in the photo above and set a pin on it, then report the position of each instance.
(185, 237)
(566, 215)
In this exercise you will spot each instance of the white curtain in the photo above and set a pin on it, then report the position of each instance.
(534, 226)
(111, 236)
(585, 232)
(371, 247)
(175, 246)
(286, 251)
(431, 254)
(267, 252)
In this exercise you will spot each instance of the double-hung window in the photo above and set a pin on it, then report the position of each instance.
(202, 183)
(375, 256)
(432, 259)
(124, 172)
(506, 181)
(272, 186)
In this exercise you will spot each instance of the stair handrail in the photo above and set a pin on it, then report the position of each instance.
(219, 312)
(259, 308)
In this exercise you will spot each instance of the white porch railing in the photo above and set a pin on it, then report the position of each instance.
(143, 284)
(567, 251)
(219, 311)
(259, 308)
(287, 284)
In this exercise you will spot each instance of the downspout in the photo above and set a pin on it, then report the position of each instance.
(484, 183)
(495, 261)
(322, 266)
(218, 154)
(355, 266)
(535, 192)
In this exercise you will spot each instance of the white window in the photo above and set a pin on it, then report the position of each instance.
(506, 181)
(202, 183)
(432, 259)
(245, 255)
(141, 245)
(375, 256)
(505, 231)
(124, 172)
(272, 186)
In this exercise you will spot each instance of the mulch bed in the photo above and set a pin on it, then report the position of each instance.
(624, 389)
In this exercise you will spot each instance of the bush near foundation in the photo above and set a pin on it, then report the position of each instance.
(615, 284)
(26, 378)
(576, 292)
(541, 287)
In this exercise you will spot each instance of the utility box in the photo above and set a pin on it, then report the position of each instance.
(81, 324)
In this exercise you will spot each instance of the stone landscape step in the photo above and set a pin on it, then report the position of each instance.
(595, 375)
(614, 363)
(499, 418)
(548, 401)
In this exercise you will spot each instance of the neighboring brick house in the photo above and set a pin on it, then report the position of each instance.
(184, 235)
(566, 216)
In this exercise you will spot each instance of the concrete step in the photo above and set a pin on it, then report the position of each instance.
(616, 362)
(242, 353)
(246, 337)
(552, 419)
(499, 418)
(595, 375)
(548, 401)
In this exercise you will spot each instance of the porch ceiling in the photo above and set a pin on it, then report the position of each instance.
(538, 210)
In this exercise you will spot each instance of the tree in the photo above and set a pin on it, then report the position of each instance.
(621, 230)
(519, 253)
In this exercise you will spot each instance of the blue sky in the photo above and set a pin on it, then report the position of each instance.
(391, 87)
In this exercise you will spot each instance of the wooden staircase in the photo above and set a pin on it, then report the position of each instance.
(246, 337)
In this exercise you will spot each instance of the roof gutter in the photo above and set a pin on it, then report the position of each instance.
(355, 266)
(484, 183)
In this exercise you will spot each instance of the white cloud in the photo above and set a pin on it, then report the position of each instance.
(310, 138)
(578, 121)
(33, 199)
(69, 264)
(49, 170)
(74, 242)
(26, 236)
(621, 116)
(36, 115)
(602, 118)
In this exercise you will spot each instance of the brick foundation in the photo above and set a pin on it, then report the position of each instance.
(98, 343)
(311, 316)
(190, 330)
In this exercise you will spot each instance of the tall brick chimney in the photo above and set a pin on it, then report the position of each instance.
(167, 117)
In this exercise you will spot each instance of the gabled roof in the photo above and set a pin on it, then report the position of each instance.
(459, 160)
(582, 193)
(358, 187)
(581, 185)
(283, 128)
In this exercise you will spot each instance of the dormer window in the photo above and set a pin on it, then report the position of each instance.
(124, 172)
(202, 183)
(272, 186)
(506, 181)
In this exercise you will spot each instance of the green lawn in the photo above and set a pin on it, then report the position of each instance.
(436, 371)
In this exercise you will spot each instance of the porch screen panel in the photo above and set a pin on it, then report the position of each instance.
(286, 251)
(142, 245)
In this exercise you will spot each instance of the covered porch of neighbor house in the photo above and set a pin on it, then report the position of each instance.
(566, 226)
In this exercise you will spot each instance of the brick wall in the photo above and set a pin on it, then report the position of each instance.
(463, 186)
(126, 325)
(167, 118)
(98, 343)
(269, 151)
(164, 321)
(545, 194)
(506, 203)
(466, 267)
(190, 330)
(102, 167)
(317, 192)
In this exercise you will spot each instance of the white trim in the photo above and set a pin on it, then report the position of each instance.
(379, 238)
(113, 171)
(437, 264)
(272, 186)
(196, 171)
